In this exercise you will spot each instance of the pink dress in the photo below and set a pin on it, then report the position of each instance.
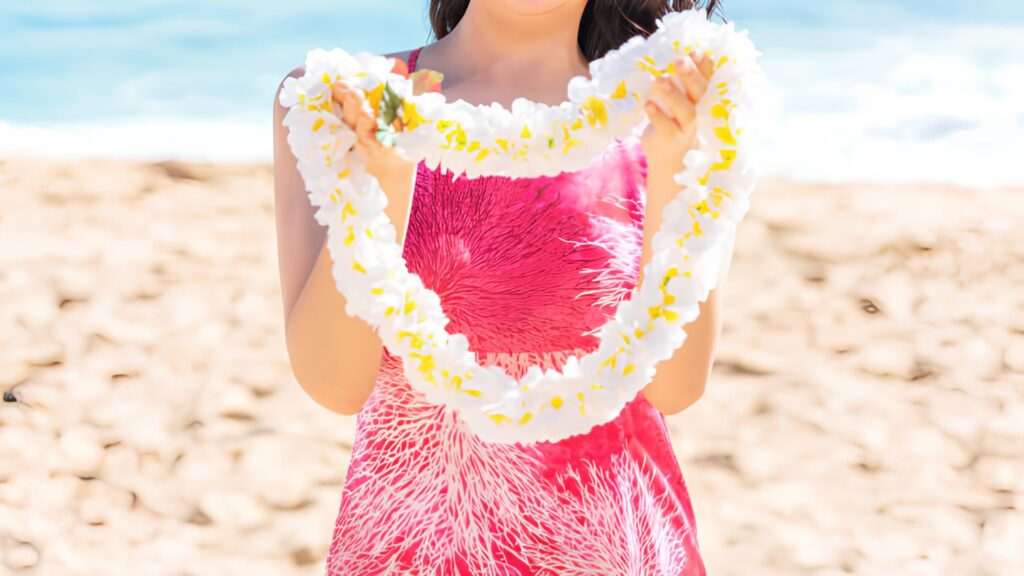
(525, 267)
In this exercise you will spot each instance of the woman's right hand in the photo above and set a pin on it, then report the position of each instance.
(394, 171)
(359, 115)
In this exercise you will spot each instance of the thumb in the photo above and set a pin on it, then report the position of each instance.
(368, 146)
(662, 122)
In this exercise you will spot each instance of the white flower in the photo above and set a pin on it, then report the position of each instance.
(533, 139)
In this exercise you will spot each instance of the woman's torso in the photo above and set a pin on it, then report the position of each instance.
(525, 268)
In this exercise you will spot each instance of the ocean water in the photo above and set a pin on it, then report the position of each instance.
(865, 90)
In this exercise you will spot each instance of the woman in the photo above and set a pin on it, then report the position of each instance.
(526, 268)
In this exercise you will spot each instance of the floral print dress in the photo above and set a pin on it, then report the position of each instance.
(527, 269)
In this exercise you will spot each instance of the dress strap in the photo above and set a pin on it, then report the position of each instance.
(413, 56)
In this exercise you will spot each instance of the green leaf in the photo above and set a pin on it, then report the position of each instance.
(390, 107)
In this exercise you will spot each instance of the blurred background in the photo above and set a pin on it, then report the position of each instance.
(866, 411)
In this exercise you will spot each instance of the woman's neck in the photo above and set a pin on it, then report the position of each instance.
(509, 50)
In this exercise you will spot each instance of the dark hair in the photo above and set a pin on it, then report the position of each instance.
(605, 24)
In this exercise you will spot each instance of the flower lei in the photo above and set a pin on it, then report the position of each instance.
(532, 139)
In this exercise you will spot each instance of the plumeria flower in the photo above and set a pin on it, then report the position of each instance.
(344, 102)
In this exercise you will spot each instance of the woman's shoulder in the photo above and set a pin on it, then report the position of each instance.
(404, 55)
(296, 72)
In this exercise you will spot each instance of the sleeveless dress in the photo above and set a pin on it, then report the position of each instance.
(525, 267)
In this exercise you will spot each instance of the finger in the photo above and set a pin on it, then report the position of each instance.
(658, 98)
(338, 91)
(705, 65)
(695, 82)
(351, 103)
(662, 122)
(339, 94)
(361, 147)
(369, 145)
(350, 108)
(676, 101)
(366, 126)
(358, 146)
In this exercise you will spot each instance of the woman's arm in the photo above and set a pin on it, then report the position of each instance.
(680, 380)
(334, 357)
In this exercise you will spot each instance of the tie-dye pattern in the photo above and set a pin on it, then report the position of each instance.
(528, 269)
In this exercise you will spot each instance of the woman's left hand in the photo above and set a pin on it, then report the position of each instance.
(679, 380)
(672, 132)
(672, 111)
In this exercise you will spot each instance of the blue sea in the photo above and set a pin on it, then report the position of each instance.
(866, 90)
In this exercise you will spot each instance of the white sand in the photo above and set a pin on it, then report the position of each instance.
(866, 414)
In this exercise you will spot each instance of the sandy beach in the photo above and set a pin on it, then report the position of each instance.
(865, 414)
